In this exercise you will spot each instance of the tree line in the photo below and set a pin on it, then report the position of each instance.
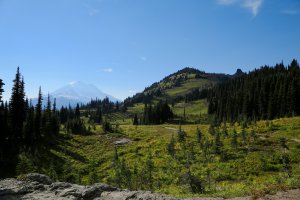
(155, 114)
(27, 128)
(265, 93)
(23, 126)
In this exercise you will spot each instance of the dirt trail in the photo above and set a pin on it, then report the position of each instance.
(170, 128)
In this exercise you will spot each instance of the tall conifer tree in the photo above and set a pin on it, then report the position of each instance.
(17, 108)
(38, 116)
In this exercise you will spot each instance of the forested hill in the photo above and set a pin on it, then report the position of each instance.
(185, 83)
(265, 93)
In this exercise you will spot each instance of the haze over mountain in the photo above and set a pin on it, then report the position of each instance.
(77, 92)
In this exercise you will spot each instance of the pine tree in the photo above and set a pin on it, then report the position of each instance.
(234, 141)
(77, 111)
(264, 93)
(1, 89)
(54, 121)
(135, 120)
(38, 118)
(244, 136)
(253, 135)
(150, 170)
(181, 135)
(29, 128)
(98, 118)
(199, 135)
(3, 132)
(218, 144)
(17, 109)
(171, 147)
(48, 120)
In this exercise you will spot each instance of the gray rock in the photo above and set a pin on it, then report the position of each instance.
(40, 178)
(122, 141)
(105, 187)
(37, 186)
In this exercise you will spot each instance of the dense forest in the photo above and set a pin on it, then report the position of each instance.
(265, 93)
(156, 114)
(24, 127)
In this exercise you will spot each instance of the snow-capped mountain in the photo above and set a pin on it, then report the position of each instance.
(76, 92)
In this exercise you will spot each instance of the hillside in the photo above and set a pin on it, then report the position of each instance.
(177, 86)
(185, 90)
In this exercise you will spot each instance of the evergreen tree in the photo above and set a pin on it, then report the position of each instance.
(171, 147)
(48, 120)
(17, 109)
(77, 111)
(135, 120)
(218, 144)
(29, 128)
(244, 136)
(265, 93)
(1, 89)
(157, 114)
(199, 135)
(195, 184)
(181, 135)
(253, 135)
(38, 118)
(234, 141)
(106, 126)
(3, 132)
(98, 115)
(54, 120)
(149, 170)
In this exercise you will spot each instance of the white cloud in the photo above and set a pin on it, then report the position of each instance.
(143, 58)
(253, 5)
(108, 70)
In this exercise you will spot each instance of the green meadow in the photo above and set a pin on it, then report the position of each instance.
(261, 162)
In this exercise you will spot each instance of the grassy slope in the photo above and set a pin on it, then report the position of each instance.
(193, 110)
(179, 84)
(187, 86)
(243, 174)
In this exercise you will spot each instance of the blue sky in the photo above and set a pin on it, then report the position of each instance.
(122, 46)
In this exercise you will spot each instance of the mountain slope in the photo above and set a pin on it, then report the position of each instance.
(177, 86)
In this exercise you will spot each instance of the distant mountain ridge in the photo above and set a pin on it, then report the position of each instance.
(76, 92)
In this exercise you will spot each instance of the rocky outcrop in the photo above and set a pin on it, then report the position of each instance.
(37, 186)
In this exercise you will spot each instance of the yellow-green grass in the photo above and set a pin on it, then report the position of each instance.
(136, 109)
(187, 86)
(241, 175)
(191, 108)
